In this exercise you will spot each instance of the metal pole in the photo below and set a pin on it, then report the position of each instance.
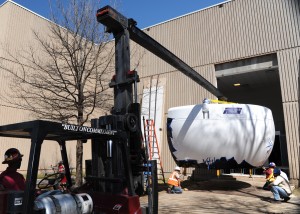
(154, 187)
(299, 121)
(37, 137)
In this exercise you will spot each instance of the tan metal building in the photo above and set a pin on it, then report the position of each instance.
(252, 42)
(16, 34)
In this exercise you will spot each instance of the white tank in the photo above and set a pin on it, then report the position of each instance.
(64, 203)
(209, 132)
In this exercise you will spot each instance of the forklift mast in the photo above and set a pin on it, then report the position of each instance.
(112, 160)
(126, 114)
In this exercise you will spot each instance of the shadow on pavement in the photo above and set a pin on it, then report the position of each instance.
(242, 195)
(210, 185)
(213, 185)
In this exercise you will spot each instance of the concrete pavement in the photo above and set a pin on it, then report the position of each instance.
(240, 194)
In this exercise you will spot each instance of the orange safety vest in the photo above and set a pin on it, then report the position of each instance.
(173, 180)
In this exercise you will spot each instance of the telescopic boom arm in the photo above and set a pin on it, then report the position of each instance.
(116, 22)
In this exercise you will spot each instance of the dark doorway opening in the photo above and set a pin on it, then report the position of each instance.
(256, 81)
(275, 155)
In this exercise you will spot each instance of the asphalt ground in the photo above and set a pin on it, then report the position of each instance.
(237, 195)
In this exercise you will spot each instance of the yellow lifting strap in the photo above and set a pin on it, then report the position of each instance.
(221, 102)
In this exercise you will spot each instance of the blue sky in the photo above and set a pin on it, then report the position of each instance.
(145, 12)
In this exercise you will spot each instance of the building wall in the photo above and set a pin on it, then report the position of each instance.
(15, 33)
(231, 31)
(234, 30)
(17, 26)
(289, 61)
(238, 29)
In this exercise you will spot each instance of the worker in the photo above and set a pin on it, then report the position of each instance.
(284, 175)
(269, 175)
(280, 187)
(174, 181)
(61, 169)
(10, 179)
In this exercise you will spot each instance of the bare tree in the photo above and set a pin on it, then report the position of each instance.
(64, 76)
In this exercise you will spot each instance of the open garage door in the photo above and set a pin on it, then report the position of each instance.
(256, 81)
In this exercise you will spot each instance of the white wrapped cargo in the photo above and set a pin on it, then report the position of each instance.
(208, 132)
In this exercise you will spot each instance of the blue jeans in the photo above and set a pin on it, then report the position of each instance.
(176, 189)
(278, 193)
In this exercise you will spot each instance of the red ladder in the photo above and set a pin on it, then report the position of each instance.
(153, 148)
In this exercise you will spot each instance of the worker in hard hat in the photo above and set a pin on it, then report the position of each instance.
(269, 175)
(10, 179)
(174, 181)
(280, 187)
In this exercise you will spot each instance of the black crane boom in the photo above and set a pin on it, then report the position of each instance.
(156, 48)
(116, 22)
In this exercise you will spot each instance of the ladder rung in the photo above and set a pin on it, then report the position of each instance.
(151, 141)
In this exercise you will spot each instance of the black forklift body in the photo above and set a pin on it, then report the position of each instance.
(38, 131)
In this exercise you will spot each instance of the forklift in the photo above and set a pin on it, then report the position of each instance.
(116, 173)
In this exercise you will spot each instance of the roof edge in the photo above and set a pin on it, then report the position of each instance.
(11, 1)
(4, 3)
(205, 8)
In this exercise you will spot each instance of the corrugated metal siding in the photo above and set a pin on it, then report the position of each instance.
(179, 89)
(9, 37)
(3, 20)
(288, 61)
(240, 29)
(8, 115)
(18, 36)
(4, 12)
(291, 117)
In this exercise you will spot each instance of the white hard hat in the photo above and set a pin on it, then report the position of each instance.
(177, 168)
